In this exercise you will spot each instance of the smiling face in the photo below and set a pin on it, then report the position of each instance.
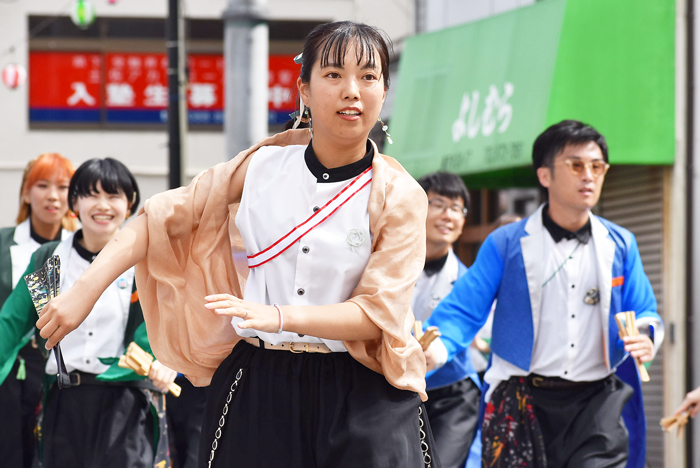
(575, 192)
(101, 213)
(345, 98)
(445, 220)
(48, 200)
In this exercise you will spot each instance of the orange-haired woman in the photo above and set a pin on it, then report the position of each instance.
(43, 216)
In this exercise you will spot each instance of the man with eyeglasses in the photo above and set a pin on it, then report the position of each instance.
(562, 388)
(453, 390)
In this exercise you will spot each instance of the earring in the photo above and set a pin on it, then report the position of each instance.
(303, 116)
(385, 129)
(306, 118)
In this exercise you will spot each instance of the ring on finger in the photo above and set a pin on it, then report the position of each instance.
(246, 315)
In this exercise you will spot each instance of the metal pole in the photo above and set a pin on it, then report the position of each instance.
(175, 94)
(246, 51)
(693, 209)
(420, 16)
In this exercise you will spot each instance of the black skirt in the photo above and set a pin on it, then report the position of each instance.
(271, 408)
(98, 425)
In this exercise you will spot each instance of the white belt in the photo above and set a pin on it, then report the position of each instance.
(290, 346)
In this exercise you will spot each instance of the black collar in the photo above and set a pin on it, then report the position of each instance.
(82, 251)
(38, 238)
(558, 233)
(337, 174)
(433, 266)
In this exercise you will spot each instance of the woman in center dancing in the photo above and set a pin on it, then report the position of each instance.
(324, 371)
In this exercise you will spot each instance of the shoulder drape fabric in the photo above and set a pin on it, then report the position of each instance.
(193, 243)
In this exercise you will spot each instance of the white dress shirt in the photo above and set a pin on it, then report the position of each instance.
(569, 340)
(431, 289)
(25, 246)
(101, 335)
(326, 264)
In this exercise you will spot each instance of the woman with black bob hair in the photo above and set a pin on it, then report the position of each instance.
(104, 418)
(310, 358)
(104, 175)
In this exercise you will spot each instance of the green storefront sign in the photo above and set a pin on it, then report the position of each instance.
(471, 99)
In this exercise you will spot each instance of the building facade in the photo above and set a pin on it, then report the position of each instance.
(113, 75)
(481, 91)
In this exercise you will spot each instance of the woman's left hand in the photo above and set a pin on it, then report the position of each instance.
(258, 316)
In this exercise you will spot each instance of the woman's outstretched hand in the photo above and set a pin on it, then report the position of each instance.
(63, 314)
(261, 317)
(66, 312)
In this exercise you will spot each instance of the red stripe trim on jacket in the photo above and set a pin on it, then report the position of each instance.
(308, 230)
(314, 214)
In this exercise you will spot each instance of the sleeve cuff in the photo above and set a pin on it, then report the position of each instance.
(654, 329)
(439, 351)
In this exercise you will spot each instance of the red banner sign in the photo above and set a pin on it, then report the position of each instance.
(140, 81)
(206, 89)
(133, 87)
(282, 82)
(64, 80)
(136, 81)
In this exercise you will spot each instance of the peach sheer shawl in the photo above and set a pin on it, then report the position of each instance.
(191, 248)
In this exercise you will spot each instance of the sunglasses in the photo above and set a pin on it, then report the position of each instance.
(597, 167)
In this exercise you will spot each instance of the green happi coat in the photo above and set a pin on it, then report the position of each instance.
(16, 249)
(18, 318)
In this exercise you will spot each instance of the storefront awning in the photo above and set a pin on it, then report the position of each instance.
(472, 99)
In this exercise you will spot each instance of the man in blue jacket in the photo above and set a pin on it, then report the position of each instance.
(563, 390)
(453, 390)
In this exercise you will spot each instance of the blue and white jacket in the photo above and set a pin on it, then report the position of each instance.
(509, 268)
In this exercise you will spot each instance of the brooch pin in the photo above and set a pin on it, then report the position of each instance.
(121, 283)
(434, 301)
(356, 237)
(592, 297)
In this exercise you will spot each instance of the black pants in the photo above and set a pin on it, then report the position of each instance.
(185, 423)
(454, 412)
(19, 404)
(583, 428)
(309, 411)
(92, 426)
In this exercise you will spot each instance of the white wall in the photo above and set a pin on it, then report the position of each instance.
(395, 17)
(442, 14)
(144, 152)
